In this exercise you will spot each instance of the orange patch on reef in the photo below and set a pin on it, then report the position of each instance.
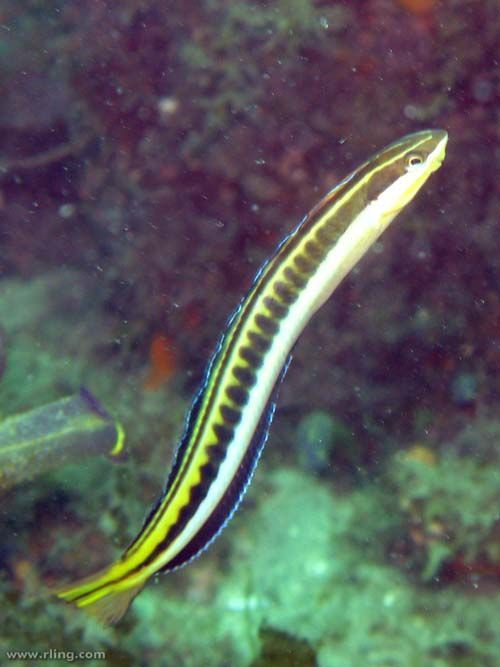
(418, 6)
(193, 316)
(162, 362)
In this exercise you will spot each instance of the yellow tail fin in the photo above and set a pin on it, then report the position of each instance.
(107, 603)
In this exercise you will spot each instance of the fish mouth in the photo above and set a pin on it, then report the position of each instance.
(438, 154)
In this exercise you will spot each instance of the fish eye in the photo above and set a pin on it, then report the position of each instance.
(414, 160)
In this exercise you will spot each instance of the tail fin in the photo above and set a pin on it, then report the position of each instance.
(107, 602)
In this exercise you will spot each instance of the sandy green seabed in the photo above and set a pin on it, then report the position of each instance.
(303, 560)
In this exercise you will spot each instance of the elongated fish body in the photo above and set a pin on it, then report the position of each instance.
(227, 424)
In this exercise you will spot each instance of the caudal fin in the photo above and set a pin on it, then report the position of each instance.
(107, 602)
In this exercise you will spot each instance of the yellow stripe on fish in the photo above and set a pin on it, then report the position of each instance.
(228, 422)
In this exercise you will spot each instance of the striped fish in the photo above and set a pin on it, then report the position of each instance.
(228, 422)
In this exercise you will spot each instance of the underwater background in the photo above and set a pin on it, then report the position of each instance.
(152, 155)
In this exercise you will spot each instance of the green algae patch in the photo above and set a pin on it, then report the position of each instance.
(187, 632)
(312, 562)
(451, 503)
